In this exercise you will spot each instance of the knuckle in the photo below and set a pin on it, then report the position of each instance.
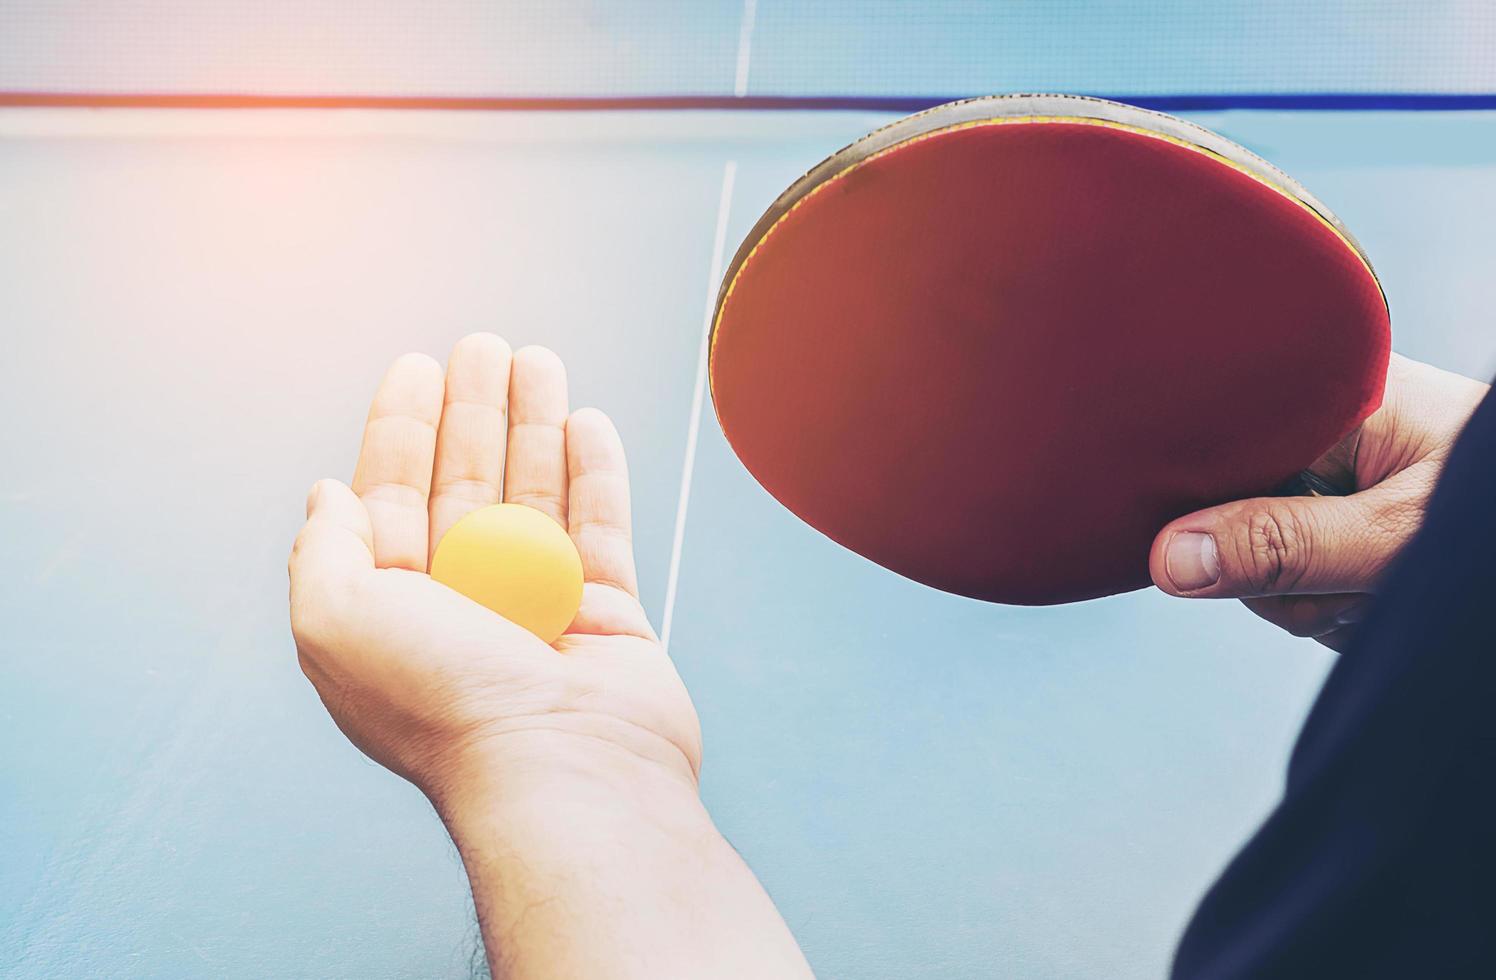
(471, 490)
(298, 551)
(549, 501)
(1275, 552)
(319, 610)
(308, 623)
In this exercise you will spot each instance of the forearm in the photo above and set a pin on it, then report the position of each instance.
(612, 868)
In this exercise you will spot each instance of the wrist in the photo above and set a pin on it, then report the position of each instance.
(575, 834)
(544, 784)
(587, 858)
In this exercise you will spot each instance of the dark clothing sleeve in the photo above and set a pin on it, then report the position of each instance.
(1380, 861)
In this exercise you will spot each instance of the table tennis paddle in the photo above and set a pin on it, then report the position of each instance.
(997, 345)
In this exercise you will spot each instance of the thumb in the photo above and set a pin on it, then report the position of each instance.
(336, 541)
(1275, 546)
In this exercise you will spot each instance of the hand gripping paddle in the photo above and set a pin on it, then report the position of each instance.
(996, 346)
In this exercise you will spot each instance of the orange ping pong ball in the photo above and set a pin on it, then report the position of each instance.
(516, 561)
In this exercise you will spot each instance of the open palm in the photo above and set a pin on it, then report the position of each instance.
(430, 683)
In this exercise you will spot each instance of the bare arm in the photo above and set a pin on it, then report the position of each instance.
(611, 867)
(566, 772)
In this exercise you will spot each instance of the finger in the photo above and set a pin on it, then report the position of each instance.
(601, 528)
(535, 468)
(1311, 615)
(606, 611)
(1283, 545)
(1338, 640)
(335, 545)
(393, 476)
(600, 522)
(470, 441)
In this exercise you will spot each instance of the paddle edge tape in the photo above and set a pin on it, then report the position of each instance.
(1006, 110)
